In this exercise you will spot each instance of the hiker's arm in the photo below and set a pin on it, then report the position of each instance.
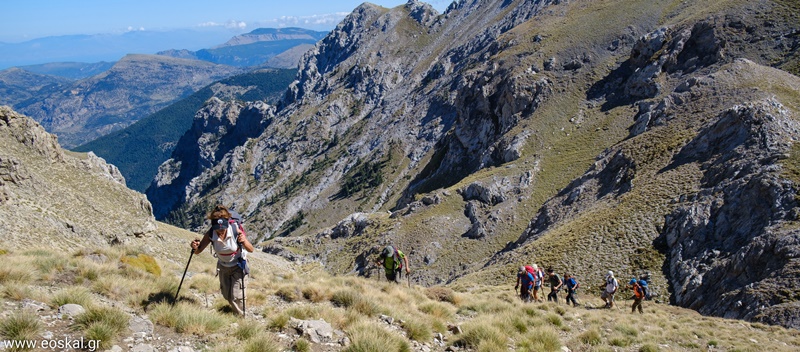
(200, 245)
(408, 270)
(245, 243)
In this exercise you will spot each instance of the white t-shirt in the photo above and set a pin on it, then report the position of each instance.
(226, 249)
(611, 284)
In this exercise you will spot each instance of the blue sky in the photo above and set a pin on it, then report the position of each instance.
(29, 19)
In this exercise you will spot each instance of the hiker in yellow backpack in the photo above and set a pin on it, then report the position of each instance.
(393, 261)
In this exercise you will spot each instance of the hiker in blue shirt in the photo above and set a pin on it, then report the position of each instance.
(572, 288)
(525, 279)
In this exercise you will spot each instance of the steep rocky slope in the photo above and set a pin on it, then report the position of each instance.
(55, 198)
(465, 138)
(136, 86)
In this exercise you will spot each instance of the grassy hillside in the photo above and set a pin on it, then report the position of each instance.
(139, 149)
(123, 284)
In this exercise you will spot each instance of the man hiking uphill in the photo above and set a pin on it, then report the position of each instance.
(638, 296)
(610, 289)
(572, 288)
(538, 277)
(555, 285)
(228, 239)
(393, 261)
(525, 279)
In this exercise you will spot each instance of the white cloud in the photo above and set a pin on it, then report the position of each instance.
(134, 29)
(232, 24)
(325, 21)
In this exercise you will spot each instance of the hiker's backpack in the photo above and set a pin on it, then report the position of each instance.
(638, 291)
(531, 270)
(645, 289)
(572, 282)
(398, 262)
(536, 273)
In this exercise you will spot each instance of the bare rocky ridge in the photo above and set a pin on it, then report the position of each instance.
(533, 131)
(70, 199)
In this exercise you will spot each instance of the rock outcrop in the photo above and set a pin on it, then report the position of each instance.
(73, 199)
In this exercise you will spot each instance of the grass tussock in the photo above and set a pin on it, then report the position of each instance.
(443, 294)
(366, 337)
(142, 262)
(74, 295)
(20, 326)
(103, 323)
(184, 318)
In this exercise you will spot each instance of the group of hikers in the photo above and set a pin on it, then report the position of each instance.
(230, 246)
(530, 279)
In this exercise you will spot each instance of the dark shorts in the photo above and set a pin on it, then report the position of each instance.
(394, 275)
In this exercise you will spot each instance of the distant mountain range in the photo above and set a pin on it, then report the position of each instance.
(254, 48)
(83, 101)
(105, 47)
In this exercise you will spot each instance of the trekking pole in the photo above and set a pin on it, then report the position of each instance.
(182, 277)
(244, 298)
(408, 278)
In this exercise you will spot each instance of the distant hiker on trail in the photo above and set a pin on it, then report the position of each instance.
(538, 277)
(572, 288)
(393, 261)
(228, 238)
(611, 288)
(555, 285)
(524, 284)
(638, 296)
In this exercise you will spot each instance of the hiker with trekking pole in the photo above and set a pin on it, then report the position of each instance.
(229, 243)
(393, 261)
